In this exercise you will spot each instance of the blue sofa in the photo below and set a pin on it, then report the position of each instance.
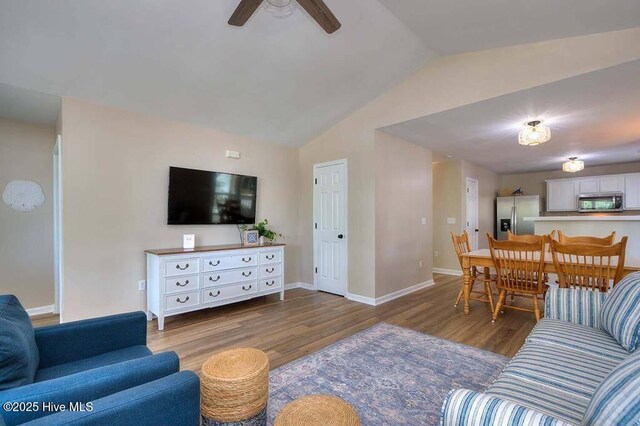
(579, 366)
(100, 370)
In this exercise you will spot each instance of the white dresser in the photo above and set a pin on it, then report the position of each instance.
(184, 280)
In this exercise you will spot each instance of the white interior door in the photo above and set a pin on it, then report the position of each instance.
(471, 222)
(330, 226)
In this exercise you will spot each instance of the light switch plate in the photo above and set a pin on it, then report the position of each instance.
(451, 221)
(233, 154)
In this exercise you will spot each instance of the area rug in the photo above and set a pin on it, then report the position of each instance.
(391, 375)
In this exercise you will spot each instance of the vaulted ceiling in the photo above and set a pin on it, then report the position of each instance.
(276, 80)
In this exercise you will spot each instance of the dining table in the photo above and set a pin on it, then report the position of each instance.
(482, 260)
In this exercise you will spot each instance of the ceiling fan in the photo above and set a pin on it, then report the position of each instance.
(316, 8)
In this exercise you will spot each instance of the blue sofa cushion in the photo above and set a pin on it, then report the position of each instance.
(617, 400)
(98, 361)
(620, 313)
(19, 357)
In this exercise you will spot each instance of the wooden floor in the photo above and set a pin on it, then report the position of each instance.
(307, 321)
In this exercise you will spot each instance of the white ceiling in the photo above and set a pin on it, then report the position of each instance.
(276, 80)
(27, 105)
(594, 116)
(462, 25)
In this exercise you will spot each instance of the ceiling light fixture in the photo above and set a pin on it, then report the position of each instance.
(534, 133)
(573, 165)
(279, 8)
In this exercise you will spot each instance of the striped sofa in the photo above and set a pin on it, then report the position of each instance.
(578, 366)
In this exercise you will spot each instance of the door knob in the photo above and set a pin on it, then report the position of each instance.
(340, 236)
(477, 230)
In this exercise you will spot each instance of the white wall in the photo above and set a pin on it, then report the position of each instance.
(26, 238)
(116, 170)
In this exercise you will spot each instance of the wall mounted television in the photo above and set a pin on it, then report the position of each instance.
(199, 197)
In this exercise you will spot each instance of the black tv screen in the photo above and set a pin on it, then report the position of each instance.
(198, 197)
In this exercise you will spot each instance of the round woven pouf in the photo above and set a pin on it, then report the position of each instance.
(234, 388)
(317, 410)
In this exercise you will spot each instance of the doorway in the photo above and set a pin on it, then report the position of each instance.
(471, 222)
(330, 237)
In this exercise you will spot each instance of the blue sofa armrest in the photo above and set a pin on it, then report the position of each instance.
(59, 344)
(574, 305)
(88, 385)
(172, 400)
(464, 407)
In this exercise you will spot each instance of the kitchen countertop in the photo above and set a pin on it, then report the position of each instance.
(586, 218)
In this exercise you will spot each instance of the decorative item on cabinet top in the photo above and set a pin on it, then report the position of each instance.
(184, 280)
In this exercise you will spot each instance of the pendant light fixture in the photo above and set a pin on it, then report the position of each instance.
(573, 165)
(279, 8)
(534, 133)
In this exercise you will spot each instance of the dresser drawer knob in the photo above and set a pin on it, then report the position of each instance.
(211, 278)
(270, 256)
(214, 264)
(246, 274)
(182, 269)
(182, 301)
(182, 285)
(270, 270)
(246, 260)
(214, 295)
(246, 289)
(270, 283)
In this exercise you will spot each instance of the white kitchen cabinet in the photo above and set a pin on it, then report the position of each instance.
(562, 195)
(632, 192)
(588, 186)
(613, 183)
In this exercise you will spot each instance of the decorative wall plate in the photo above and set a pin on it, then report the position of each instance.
(23, 195)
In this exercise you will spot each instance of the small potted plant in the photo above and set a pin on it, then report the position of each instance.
(264, 231)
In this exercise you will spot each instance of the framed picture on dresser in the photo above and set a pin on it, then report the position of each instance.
(250, 238)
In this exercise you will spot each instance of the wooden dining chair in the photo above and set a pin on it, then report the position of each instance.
(602, 241)
(519, 266)
(534, 239)
(462, 244)
(589, 266)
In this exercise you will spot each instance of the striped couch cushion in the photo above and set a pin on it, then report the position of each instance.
(617, 399)
(572, 305)
(588, 340)
(469, 408)
(566, 406)
(620, 312)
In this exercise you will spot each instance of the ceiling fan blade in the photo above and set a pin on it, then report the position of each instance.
(321, 13)
(243, 12)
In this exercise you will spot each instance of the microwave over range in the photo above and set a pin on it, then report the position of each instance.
(600, 202)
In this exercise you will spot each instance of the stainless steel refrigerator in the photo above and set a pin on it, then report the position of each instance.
(511, 211)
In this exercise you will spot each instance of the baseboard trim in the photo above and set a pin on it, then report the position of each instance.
(361, 299)
(40, 310)
(396, 294)
(305, 286)
(445, 271)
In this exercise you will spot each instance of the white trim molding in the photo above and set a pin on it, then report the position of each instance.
(456, 272)
(40, 310)
(305, 286)
(389, 297)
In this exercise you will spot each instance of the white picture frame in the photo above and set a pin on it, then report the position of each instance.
(251, 238)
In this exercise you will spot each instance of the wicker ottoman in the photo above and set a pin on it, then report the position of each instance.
(317, 410)
(234, 388)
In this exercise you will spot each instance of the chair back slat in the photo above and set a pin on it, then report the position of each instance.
(461, 244)
(589, 266)
(519, 265)
(583, 239)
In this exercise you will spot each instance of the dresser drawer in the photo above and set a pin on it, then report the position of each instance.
(220, 293)
(178, 284)
(270, 257)
(269, 284)
(267, 271)
(183, 300)
(181, 267)
(219, 263)
(228, 277)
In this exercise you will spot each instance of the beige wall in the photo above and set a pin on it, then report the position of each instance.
(116, 166)
(403, 178)
(534, 183)
(444, 83)
(447, 202)
(26, 238)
